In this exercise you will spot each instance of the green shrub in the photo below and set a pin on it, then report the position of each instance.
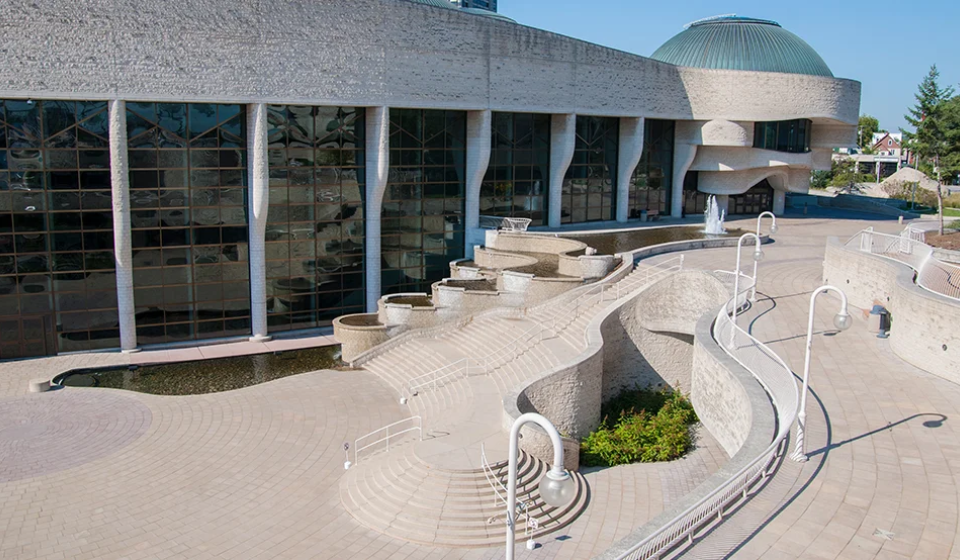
(650, 426)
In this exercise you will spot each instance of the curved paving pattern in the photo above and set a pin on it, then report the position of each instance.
(44, 434)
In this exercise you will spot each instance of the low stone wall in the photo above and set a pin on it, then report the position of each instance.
(586, 266)
(463, 301)
(753, 424)
(677, 303)
(649, 343)
(925, 329)
(867, 279)
(489, 258)
(532, 243)
(356, 339)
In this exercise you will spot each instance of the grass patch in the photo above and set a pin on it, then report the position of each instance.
(951, 212)
(640, 426)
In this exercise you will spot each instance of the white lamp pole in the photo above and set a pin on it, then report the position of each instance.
(773, 230)
(842, 321)
(757, 256)
(556, 487)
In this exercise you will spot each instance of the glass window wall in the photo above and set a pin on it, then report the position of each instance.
(189, 219)
(423, 207)
(517, 181)
(57, 279)
(652, 179)
(315, 227)
(589, 187)
(783, 136)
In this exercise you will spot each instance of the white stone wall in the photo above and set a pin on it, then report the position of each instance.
(372, 53)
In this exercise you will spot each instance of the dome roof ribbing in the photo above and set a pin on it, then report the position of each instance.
(740, 43)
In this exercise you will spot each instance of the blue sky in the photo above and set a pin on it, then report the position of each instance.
(886, 45)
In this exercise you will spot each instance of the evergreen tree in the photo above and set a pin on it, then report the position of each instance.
(931, 139)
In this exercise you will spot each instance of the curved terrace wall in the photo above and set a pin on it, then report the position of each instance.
(570, 395)
(925, 329)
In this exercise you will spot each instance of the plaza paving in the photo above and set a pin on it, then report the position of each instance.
(253, 473)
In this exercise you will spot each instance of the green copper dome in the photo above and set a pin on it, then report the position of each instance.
(739, 43)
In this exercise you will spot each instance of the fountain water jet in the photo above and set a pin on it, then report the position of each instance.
(713, 217)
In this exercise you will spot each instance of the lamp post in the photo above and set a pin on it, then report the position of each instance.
(556, 487)
(842, 321)
(757, 257)
(773, 230)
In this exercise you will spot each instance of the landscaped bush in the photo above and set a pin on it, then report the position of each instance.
(640, 426)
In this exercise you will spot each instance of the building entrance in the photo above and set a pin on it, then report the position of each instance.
(756, 200)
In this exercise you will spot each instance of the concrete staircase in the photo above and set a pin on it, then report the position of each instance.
(434, 491)
(400, 495)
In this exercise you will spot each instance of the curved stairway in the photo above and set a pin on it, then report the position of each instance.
(402, 496)
(434, 491)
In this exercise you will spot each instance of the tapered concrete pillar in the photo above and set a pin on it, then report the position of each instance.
(378, 166)
(683, 154)
(723, 203)
(258, 203)
(779, 202)
(563, 139)
(631, 149)
(122, 252)
(479, 138)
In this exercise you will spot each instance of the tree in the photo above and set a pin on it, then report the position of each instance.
(930, 140)
(868, 127)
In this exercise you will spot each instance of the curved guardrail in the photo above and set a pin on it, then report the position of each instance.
(778, 381)
(908, 248)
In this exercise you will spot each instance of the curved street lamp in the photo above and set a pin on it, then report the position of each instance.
(757, 257)
(842, 321)
(773, 230)
(556, 487)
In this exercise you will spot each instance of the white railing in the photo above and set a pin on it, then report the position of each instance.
(554, 320)
(933, 274)
(522, 508)
(778, 380)
(384, 435)
(516, 225)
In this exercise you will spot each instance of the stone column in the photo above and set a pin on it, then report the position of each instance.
(122, 252)
(479, 137)
(563, 140)
(631, 149)
(378, 166)
(723, 203)
(779, 202)
(683, 154)
(258, 203)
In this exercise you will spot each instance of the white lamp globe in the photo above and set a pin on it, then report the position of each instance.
(774, 229)
(842, 321)
(758, 255)
(557, 487)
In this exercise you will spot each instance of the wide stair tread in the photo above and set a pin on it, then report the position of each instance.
(403, 497)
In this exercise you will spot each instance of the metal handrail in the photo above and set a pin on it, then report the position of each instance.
(932, 275)
(778, 381)
(386, 439)
(523, 508)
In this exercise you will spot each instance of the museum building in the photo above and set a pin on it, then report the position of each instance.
(204, 169)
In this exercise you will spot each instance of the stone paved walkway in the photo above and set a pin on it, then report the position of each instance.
(884, 469)
(253, 473)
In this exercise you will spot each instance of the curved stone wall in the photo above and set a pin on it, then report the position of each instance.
(925, 329)
(373, 53)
